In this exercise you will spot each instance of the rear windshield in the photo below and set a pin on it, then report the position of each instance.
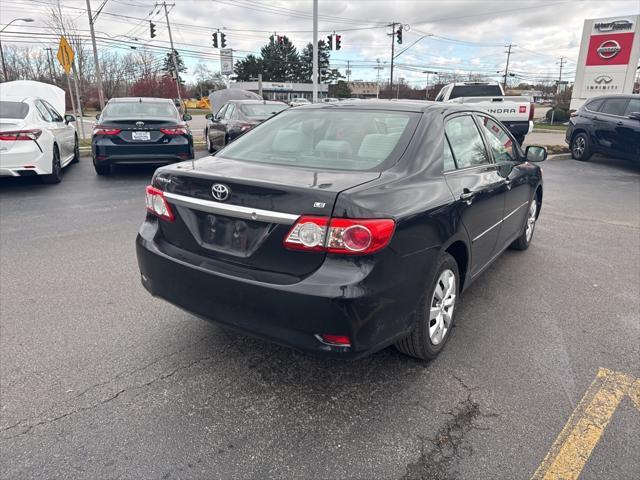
(326, 139)
(135, 110)
(13, 110)
(475, 91)
(261, 110)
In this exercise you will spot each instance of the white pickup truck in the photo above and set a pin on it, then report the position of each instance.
(516, 113)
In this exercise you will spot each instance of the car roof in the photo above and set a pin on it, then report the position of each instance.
(140, 99)
(395, 105)
(614, 95)
(255, 102)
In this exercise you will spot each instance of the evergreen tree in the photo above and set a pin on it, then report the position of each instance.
(281, 62)
(168, 68)
(248, 69)
(306, 64)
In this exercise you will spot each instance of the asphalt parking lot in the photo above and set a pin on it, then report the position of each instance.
(100, 380)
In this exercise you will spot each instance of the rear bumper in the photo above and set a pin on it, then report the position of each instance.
(105, 151)
(519, 128)
(355, 298)
(25, 159)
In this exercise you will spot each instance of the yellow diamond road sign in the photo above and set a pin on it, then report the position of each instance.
(65, 55)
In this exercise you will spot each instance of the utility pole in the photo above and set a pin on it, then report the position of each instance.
(393, 44)
(96, 61)
(50, 63)
(348, 71)
(506, 68)
(173, 51)
(378, 67)
(562, 62)
(315, 51)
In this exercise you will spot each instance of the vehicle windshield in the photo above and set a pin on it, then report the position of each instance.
(135, 110)
(326, 139)
(261, 110)
(13, 110)
(475, 91)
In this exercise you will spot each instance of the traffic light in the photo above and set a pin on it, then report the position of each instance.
(152, 29)
(399, 34)
(338, 41)
(330, 41)
(280, 39)
(214, 39)
(223, 40)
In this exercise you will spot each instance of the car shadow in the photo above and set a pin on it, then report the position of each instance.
(619, 163)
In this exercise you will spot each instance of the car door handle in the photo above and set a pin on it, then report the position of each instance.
(619, 124)
(467, 196)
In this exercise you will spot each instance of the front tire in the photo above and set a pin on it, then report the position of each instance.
(581, 147)
(524, 240)
(56, 168)
(434, 315)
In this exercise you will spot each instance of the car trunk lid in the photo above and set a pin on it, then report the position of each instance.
(247, 227)
(9, 125)
(140, 131)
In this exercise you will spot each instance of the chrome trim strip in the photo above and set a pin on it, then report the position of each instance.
(237, 211)
(487, 231)
(503, 219)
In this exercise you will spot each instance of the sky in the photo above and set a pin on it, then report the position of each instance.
(450, 35)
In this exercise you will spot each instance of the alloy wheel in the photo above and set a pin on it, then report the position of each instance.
(531, 220)
(442, 305)
(579, 144)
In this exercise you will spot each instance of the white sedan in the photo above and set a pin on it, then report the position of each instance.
(35, 139)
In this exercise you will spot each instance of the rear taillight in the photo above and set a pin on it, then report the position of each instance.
(573, 114)
(522, 109)
(20, 135)
(334, 340)
(340, 235)
(532, 109)
(174, 131)
(98, 130)
(157, 204)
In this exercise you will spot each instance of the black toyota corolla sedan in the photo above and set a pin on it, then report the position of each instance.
(340, 229)
(140, 130)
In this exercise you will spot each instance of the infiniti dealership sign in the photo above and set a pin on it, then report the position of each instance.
(608, 59)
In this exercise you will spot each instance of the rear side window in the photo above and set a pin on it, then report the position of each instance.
(44, 113)
(54, 113)
(327, 139)
(633, 106)
(449, 163)
(466, 142)
(13, 110)
(475, 91)
(614, 106)
(594, 105)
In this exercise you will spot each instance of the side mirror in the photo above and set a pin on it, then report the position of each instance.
(634, 115)
(535, 153)
(69, 118)
(97, 116)
(209, 116)
(186, 117)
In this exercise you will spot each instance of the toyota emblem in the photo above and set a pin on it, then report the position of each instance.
(139, 124)
(220, 192)
(608, 49)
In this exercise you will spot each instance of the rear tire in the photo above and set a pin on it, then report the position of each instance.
(76, 151)
(580, 147)
(524, 240)
(210, 148)
(56, 168)
(101, 169)
(435, 312)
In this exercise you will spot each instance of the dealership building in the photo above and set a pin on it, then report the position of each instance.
(283, 91)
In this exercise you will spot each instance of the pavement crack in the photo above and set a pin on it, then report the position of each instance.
(448, 446)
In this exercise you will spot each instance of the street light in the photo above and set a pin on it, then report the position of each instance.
(428, 72)
(4, 67)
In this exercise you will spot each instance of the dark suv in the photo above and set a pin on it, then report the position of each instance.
(609, 125)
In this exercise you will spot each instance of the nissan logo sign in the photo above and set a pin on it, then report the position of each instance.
(608, 49)
(220, 192)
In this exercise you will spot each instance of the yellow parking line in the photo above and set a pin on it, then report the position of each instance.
(571, 450)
